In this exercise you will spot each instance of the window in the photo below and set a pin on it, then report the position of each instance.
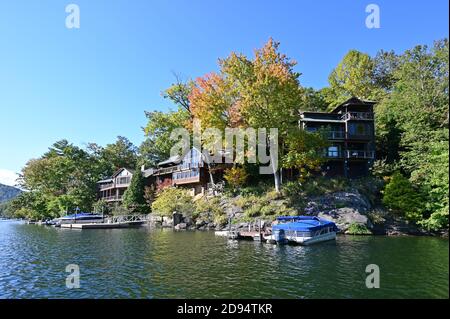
(333, 151)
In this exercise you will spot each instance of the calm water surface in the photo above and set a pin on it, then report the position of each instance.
(155, 263)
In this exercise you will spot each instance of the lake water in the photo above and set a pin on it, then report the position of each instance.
(156, 263)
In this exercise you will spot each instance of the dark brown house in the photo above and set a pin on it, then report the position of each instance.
(351, 132)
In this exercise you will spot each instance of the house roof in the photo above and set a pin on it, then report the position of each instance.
(120, 170)
(173, 159)
(109, 180)
(353, 100)
(149, 172)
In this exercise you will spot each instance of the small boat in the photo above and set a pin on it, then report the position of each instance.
(83, 218)
(303, 230)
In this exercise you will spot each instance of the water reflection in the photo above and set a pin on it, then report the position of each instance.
(156, 263)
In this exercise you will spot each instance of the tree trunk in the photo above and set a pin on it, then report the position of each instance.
(211, 177)
(276, 176)
(276, 173)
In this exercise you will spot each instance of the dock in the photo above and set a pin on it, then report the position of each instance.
(120, 221)
(104, 225)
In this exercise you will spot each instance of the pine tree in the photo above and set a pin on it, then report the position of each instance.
(133, 198)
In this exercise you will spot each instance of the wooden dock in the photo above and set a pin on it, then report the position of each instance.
(104, 225)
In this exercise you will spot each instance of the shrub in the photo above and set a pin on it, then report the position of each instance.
(235, 176)
(370, 187)
(173, 199)
(101, 206)
(358, 229)
(210, 206)
(400, 196)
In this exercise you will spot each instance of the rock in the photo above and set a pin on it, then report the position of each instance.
(177, 218)
(211, 225)
(180, 226)
(188, 221)
(199, 223)
(344, 217)
(167, 222)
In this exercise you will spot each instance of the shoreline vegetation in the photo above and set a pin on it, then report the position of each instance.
(406, 191)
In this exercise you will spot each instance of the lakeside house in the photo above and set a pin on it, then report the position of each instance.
(188, 171)
(351, 133)
(112, 189)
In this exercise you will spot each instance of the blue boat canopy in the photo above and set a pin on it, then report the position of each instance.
(303, 223)
(80, 215)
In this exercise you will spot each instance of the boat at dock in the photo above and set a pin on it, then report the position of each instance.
(303, 230)
(80, 218)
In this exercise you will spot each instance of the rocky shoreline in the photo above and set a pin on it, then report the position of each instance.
(349, 210)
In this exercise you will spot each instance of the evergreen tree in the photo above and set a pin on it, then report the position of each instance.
(134, 197)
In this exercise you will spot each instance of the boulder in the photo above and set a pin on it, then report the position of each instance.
(188, 221)
(181, 226)
(344, 217)
(167, 222)
(199, 223)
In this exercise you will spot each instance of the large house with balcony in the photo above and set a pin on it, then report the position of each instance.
(188, 171)
(351, 133)
(112, 189)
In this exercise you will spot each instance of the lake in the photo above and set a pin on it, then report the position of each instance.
(162, 263)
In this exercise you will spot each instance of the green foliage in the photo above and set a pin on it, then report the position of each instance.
(235, 176)
(173, 199)
(158, 143)
(412, 127)
(101, 206)
(304, 151)
(402, 198)
(211, 207)
(133, 198)
(358, 229)
(269, 205)
(354, 76)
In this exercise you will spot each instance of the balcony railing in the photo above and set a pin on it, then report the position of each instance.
(360, 154)
(336, 135)
(358, 136)
(357, 116)
(113, 198)
(186, 180)
(178, 168)
(106, 186)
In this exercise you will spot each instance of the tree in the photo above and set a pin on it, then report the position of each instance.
(412, 126)
(133, 198)
(171, 200)
(235, 176)
(354, 76)
(158, 143)
(269, 92)
(305, 151)
(120, 154)
(400, 196)
(179, 92)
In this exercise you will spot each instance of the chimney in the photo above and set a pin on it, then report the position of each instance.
(143, 168)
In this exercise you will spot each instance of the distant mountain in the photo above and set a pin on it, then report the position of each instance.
(8, 192)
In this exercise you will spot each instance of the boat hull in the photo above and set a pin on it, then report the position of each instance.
(80, 221)
(305, 241)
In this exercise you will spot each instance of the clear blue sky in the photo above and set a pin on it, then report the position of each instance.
(94, 83)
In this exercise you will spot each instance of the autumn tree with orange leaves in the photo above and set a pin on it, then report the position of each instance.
(263, 92)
